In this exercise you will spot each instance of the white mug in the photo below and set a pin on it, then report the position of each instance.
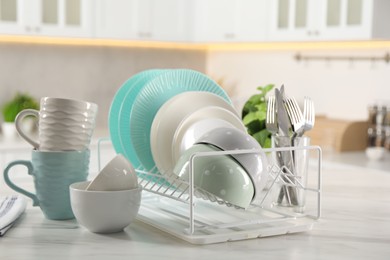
(63, 124)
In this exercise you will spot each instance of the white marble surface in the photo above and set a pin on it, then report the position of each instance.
(355, 224)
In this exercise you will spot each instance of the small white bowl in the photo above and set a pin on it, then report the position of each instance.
(376, 153)
(104, 211)
(118, 174)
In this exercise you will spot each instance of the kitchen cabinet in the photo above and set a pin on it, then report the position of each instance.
(199, 20)
(47, 17)
(163, 20)
(314, 20)
(230, 21)
(115, 19)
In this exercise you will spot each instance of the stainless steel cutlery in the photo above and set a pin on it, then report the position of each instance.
(286, 122)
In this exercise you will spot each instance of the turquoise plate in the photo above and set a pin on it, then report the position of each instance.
(124, 115)
(113, 118)
(153, 95)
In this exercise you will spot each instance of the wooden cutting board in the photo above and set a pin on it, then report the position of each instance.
(339, 135)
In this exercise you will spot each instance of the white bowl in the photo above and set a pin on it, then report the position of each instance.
(118, 174)
(219, 175)
(104, 211)
(376, 153)
(231, 139)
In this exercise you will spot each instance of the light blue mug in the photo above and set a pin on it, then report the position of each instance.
(53, 172)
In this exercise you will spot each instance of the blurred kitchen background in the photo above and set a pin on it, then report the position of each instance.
(335, 51)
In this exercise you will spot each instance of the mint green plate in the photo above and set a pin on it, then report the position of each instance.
(152, 96)
(129, 89)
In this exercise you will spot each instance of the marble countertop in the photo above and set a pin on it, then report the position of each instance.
(355, 224)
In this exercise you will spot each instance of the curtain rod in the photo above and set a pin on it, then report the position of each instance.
(299, 57)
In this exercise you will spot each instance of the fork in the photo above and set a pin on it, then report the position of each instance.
(270, 121)
(296, 117)
(308, 114)
(298, 126)
(273, 128)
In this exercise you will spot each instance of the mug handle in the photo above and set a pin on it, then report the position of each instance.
(15, 187)
(18, 121)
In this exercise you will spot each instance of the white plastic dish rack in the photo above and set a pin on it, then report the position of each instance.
(180, 209)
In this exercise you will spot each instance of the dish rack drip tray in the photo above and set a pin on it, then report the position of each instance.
(177, 207)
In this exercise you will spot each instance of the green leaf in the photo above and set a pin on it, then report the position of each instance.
(250, 117)
(261, 107)
(254, 127)
(267, 88)
(254, 114)
(267, 143)
(262, 136)
(17, 104)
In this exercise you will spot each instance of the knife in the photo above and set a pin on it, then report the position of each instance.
(282, 91)
(285, 158)
(283, 121)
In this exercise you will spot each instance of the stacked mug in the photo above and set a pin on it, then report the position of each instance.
(61, 154)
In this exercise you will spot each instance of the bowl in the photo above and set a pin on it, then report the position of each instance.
(219, 175)
(104, 211)
(118, 174)
(231, 139)
(375, 153)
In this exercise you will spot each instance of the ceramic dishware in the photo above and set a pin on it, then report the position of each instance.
(164, 124)
(104, 211)
(52, 172)
(149, 100)
(375, 153)
(232, 139)
(196, 124)
(219, 175)
(124, 97)
(118, 174)
(63, 124)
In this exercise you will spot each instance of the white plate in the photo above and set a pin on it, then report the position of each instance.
(200, 122)
(168, 118)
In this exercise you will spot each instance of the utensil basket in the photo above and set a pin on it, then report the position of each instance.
(170, 204)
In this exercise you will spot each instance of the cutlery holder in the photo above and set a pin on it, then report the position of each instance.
(294, 165)
(170, 204)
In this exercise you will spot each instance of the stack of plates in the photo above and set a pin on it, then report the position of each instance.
(137, 102)
(182, 120)
(158, 114)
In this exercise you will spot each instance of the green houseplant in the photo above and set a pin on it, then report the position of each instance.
(254, 114)
(19, 102)
(11, 108)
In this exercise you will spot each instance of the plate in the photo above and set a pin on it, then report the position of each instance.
(120, 132)
(168, 118)
(153, 95)
(200, 122)
(113, 118)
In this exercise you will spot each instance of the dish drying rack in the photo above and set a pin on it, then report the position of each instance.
(179, 208)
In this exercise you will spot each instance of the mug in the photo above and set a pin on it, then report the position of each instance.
(63, 124)
(53, 173)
